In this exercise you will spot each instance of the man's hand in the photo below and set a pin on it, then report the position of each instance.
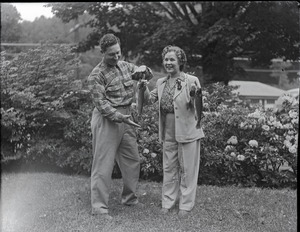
(128, 121)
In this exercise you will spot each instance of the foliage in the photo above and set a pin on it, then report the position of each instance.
(270, 25)
(46, 111)
(249, 148)
(218, 31)
(148, 143)
(10, 28)
(41, 30)
(53, 30)
(43, 109)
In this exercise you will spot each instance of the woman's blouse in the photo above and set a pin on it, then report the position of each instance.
(166, 103)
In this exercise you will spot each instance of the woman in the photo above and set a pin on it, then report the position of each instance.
(177, 131)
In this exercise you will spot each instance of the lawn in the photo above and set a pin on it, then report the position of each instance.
(58, 202)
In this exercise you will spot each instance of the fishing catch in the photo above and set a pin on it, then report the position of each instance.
(196, 92)
(142, 77)
(140, 99)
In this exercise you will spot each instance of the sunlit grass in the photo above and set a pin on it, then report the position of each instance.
(56, 202)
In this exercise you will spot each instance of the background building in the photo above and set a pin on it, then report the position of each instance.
(257, 93)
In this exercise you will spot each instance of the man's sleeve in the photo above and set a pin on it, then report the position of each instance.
(98, 94)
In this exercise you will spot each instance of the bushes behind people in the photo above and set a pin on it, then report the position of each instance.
(46, 112)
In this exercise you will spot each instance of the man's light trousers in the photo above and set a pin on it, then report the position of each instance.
(113, 141)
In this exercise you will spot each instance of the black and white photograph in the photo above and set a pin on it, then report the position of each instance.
(149, 116)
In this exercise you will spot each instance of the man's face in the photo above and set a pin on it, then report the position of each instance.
(112, 55)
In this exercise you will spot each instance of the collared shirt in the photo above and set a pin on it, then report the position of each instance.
(111, 87)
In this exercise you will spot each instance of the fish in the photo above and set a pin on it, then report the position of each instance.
(132, 123)
(145, 75)
(198, 106)
(193, 90)
(142, 77)
(140, 99)
(190, 104)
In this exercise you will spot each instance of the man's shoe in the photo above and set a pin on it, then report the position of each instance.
(183, 213)
(136, 205)
(102, 215)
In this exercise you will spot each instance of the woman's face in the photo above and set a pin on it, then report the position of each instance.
(171, 63)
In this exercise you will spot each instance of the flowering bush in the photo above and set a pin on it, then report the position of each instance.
(150, 149)
(252, 145)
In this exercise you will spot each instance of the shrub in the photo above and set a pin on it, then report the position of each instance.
(33, 86)
(150, 149)
(46, 113)
(249, 148)
(44, 110)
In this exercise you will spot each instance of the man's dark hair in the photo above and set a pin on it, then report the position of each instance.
(108, 40)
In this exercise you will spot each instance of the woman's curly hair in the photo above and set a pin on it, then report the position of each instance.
(107, 41)
(178, 52)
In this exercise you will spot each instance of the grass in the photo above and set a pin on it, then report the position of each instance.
(57, 202)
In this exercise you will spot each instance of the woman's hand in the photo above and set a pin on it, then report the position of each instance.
(193, 90)
(142, 84)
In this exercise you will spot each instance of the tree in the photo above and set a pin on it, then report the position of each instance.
(211, 33)
(274, 30)
(10, 27)
(50, 30)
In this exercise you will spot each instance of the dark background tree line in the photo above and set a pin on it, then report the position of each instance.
(218, 31)
(211, 33)
(41, 30)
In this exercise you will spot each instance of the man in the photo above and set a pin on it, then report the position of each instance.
(111, 84)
